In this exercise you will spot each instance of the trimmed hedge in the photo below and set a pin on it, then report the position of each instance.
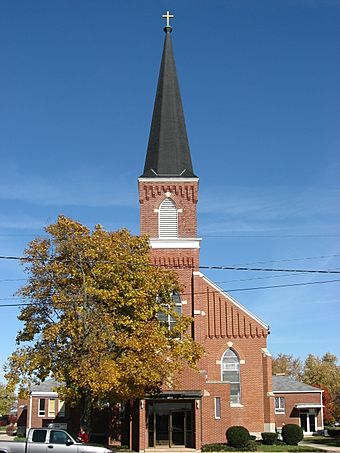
(216, 447)
(225, 447)
(238, 436)
(333, 432)
(292, 434)
(269, 438)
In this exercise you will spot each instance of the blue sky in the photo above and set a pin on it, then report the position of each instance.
(260, 83)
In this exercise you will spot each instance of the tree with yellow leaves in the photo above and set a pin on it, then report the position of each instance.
(90, 320)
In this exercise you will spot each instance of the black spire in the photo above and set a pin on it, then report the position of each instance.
(168, 153)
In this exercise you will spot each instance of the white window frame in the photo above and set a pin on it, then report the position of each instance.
(51, 413)
(170, 321)
(233, 366)
(281, 409)
(167, 219)
(217, 407)
(41, 412)
(61, 408)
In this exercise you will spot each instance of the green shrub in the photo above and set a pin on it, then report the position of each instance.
(238, 436)
(333, 432)
(269, 438)
(292, 434)
(225, 447)
(252, 446)
(215, 447)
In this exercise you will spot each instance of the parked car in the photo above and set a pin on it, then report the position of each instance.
(42, 439)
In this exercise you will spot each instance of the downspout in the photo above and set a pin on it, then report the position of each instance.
(30, 413)
(322, 426)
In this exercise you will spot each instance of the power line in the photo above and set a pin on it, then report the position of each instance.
(288, 259)
(179, 266)
(210, 236)
(203, 292)
(218, 236)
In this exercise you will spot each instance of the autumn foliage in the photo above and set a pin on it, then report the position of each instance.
(90, 319)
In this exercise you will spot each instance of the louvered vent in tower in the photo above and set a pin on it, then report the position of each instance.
(168, 220)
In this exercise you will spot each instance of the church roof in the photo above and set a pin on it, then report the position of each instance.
(168, 153)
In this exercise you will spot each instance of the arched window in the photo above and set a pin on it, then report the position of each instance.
(168, 319)
(168, 219)
(230, 369)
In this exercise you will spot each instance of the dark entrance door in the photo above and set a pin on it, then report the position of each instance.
(162, 429)
(170, 424)
(177, 428)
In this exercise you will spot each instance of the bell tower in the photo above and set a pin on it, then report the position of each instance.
(168, 187)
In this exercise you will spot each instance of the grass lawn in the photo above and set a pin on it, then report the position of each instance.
(322, 440)
(270, 448)
(2, 429)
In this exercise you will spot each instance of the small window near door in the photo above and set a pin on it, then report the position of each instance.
(41, 407)
(51, 407)
(61, 412)
(280, 405)
(218, 407)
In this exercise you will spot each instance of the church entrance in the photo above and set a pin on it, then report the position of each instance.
(170, 424)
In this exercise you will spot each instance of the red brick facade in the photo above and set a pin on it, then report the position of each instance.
(219, 323)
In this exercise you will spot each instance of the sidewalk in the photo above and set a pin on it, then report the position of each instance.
(322, 447)
(6, 437)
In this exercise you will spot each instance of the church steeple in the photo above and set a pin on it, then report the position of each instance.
(168, 153)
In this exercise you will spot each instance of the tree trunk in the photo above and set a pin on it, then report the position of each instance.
(85, 413)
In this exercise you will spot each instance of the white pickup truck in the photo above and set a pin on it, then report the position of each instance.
(49, 440)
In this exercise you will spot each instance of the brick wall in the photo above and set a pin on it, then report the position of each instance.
(184, 195)
(292, 415)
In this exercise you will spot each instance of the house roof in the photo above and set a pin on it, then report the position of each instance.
(168, 153)
(289, 384)
(47, 386)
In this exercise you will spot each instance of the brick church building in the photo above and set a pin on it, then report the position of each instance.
(234, 382)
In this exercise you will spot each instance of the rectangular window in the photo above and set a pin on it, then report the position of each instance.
(41, 407)
(280, 405)
(51, 407)
(61, 412)
(218, 407)
(39, 435)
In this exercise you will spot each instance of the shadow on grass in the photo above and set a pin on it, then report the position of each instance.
(320, 440)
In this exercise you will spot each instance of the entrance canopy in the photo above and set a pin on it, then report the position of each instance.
(308, 406)
(178, 394)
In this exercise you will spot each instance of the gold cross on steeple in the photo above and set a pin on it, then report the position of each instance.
(168, 16)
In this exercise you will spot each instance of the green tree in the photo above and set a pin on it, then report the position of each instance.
(288, 365)
(91, 318)
(7, 399)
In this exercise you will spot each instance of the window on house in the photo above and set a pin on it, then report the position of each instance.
(41, 407)
(168, 319)
(218, 407)
(230, 367)
(280, 405)
(61, 412)
(168, 219)
(51, 407)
